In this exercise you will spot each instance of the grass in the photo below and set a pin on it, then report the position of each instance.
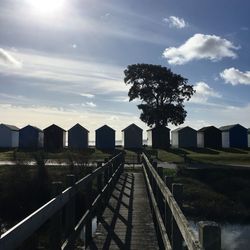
(231, 156)
(216, 194)
(89, 154)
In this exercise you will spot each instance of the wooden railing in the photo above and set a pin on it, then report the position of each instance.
(172, 228)
(59, 212)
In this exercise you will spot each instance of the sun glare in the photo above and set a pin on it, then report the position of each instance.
(47, 6)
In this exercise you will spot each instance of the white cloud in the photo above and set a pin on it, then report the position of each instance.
(87, 95)
(91, 104)
(203, 93)
(175, 22)
(43, 116)
(6, 59)
(200, 46)
(56, 73)
(235, 76)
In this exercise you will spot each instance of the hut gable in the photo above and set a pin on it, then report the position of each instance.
(30, 137)
(9, 135)
(158, 137)
(78, 137)
(54, 138)
(132, 137)
(184, 137)
(209, 137)
(234, 136)
(105, 137)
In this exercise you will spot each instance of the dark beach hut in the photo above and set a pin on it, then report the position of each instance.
(30, 137)
(234, 136)
(9, 136)
(209, 137)
(185, 137)
(54, 138)
(158, 137)
(78, 137)
(132, 137)
(105, 137)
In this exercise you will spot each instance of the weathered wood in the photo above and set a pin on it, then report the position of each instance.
(88, 226)
(159, 220)
(127, 222)
(176, 237)
(70, 207)
(179, 217)
(55, 232)
(24, 229)
(167, 211)
(209, 235)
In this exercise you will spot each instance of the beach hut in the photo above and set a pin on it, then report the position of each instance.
(234, 136)
(105, 137)
(132, 137)
(209, 137)
(248, 137)
(158, 137)
(54, 138)
(78, 137)
(185, 137)
(9, 136)
(30, 137)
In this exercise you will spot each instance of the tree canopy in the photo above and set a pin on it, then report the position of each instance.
(161, 92)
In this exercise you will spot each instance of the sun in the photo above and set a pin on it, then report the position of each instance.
(47, 6)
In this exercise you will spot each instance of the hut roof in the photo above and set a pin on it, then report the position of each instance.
(105, 127)
(182, 128)
(158, 128)
(206, 128)
(79, 126)
(53, 125)
(36, 128)
(11, 127)
(132, 125)
(228, 127)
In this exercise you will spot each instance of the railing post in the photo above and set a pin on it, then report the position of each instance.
(154, 185)
(167, 212)
(209, 235)
(88, 226)
(56, 221)
(177, 241)
(70, 207)
(159, 194)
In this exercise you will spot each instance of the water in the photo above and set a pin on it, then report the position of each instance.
(233, 236)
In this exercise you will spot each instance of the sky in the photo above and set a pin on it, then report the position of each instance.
(62, 61)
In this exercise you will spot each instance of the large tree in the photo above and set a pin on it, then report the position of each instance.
(161, 92)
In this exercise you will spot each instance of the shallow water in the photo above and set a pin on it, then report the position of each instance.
(233, 236)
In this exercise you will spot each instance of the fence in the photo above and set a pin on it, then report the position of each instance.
(172, 227)
(60, 211)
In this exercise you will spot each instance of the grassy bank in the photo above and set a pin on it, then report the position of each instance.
(230, 156)
(216, 194)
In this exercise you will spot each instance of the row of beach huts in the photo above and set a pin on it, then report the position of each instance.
(53, 138)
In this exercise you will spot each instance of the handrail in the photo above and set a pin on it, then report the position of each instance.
(24, 229)
(183, 225)
(165, 238)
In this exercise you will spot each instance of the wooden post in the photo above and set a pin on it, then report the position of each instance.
(176, 237)
(56, 221)
(88, 226)
(159, 194)
(99, 188)
(209, 235)
(167, 211)
(70, 207)
(154, 185)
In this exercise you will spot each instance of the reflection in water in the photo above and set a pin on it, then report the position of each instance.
(233, 236)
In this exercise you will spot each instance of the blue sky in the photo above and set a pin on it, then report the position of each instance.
(62, 61)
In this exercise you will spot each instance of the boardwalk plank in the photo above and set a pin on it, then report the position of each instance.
(127, 221)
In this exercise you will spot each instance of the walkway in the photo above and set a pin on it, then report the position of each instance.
(127, 221)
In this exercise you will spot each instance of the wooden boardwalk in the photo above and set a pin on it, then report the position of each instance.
(127, 221)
